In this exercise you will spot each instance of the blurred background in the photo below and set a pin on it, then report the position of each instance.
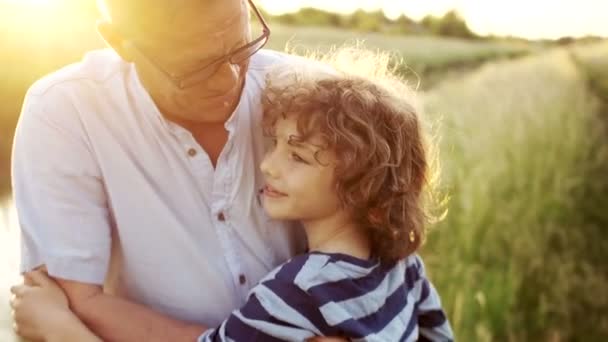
(517, 92)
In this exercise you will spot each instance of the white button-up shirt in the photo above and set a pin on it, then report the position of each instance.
(100, 178)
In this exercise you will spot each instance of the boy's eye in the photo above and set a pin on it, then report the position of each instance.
(297, 158)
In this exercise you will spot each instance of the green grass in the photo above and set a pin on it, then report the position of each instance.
(594, 61)
(522, 147)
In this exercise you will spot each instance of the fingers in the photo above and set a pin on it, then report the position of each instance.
(19, 290)
(39, 278)
(20, 323)
(22, 331)
(13, 302)
(27, 279)
(20, 313)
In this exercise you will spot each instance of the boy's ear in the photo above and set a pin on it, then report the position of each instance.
(115, 40)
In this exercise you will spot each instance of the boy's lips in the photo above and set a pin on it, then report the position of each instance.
(272, 192)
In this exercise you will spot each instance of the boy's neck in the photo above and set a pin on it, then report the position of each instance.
(336, 235)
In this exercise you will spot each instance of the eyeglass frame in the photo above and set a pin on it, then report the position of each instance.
(181, 81)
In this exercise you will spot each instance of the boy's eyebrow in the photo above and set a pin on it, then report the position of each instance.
(295, 141)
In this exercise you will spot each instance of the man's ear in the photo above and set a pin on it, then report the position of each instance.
(114, 39)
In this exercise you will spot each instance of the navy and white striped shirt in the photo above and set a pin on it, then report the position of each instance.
(321, 294)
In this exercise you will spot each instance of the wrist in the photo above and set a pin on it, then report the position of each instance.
(70, 328)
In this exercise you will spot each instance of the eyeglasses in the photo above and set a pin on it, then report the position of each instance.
(236, 57)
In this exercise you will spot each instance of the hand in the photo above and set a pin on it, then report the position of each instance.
(40, 309)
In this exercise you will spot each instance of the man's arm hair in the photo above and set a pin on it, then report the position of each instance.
(116, 319)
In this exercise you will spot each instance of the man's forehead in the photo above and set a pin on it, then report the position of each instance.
(205, 13)
(177, 19)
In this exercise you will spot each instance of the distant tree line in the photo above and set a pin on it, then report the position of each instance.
(451, 24)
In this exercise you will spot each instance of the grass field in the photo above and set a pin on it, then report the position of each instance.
(523, 148)
(421, 53)
(524, 153)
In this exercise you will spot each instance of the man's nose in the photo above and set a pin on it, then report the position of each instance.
(226, 76)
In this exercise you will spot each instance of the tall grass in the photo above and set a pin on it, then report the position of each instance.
(593, 59)
(521, 145)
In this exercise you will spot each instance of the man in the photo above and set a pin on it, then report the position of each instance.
(146, 157)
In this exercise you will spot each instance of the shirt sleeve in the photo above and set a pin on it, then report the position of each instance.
(432, 320)
(275, 311)
(58, 191)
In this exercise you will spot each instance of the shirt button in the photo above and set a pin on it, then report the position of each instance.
(242, 279)
(191, 152)
(221, 217)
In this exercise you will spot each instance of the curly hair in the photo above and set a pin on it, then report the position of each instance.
(371, 123)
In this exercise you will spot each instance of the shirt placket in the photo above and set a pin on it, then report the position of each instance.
(216, 200)
(222, 186)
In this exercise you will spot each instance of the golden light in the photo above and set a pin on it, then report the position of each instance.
(44, 25)
(30, 3)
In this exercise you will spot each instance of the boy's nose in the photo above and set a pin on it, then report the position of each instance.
(266, 166)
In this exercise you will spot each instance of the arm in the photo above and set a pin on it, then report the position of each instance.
(275, 310)
(65, 220)
(116, 319)
(74, 332)
(433, 323)
(41, 311)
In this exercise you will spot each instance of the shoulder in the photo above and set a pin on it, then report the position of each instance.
(290, 270)
(414, 268)
(60, 96)
(313, 271)
(95, 67)
(298, 271)
(415, 263)
(264, 58)
(261, 63)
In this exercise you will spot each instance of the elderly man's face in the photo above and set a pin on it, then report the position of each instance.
(187, 37)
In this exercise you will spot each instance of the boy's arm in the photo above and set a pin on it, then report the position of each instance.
(433, 323)
(432, 320)
(268, 314)
(116, 319)
(275, 310)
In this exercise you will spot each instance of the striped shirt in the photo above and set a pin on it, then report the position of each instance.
(322, 294)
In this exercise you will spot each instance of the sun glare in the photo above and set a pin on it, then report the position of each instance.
(37, 22)
(30, 2)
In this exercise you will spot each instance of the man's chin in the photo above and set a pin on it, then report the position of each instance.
(206, 114)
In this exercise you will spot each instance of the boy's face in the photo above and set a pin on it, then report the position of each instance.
(299, 177)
